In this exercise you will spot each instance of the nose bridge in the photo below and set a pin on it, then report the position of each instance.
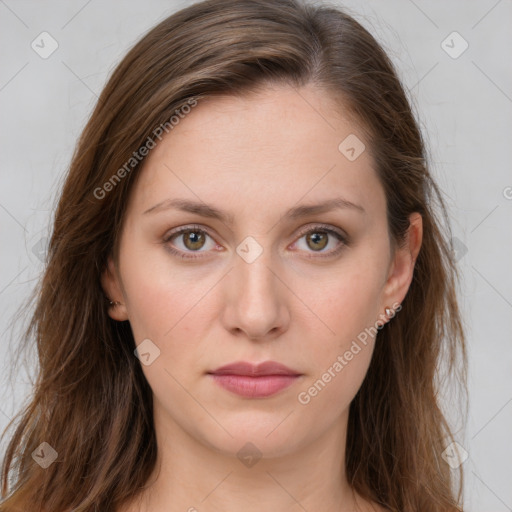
(256, 301)
(255, 272)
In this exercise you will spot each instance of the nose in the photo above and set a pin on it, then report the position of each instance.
(256, 299)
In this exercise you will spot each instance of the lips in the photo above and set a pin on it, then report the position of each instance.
(251, 370)
(254, 381)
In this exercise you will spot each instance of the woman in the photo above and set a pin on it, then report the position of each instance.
(248, 292)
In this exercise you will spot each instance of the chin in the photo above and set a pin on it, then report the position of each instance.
(253, 436)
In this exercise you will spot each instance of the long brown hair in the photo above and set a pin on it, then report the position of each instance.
(91, 402)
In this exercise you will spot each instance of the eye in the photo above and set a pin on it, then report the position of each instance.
(192, 239)
(316, 239)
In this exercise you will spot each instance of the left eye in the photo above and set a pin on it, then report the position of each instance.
(194, 239)
(317, 239)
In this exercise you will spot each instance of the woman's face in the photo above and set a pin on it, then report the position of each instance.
(270, 280)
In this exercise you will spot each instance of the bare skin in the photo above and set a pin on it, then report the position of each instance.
(301, 302)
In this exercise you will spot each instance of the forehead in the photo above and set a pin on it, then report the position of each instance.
(264, 151)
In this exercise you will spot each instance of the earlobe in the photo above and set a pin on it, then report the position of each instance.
(114, 301)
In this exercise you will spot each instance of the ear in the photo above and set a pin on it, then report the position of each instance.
(113, 290)
(402, 267)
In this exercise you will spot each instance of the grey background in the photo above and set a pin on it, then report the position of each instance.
(464, 105)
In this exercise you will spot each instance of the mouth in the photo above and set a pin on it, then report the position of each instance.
(254, 381)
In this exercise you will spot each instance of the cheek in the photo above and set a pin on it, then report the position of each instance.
(347, 304)
(165, 307)
(166, 302)
(346, 301)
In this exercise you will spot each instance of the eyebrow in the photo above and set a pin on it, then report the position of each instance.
(210, 211)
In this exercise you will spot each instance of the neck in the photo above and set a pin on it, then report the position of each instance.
(192, 476)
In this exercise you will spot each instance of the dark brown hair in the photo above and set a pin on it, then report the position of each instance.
(91, 401)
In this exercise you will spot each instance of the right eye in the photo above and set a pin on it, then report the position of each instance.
(193, 238)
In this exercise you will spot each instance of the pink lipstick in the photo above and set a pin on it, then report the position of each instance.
(254, 381)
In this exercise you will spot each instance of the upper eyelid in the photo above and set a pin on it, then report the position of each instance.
(320, 227)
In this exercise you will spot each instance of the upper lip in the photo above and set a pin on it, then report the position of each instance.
(254, 370)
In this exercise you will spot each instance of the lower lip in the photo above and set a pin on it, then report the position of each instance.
(254, 387)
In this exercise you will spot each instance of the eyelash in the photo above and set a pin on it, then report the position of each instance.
(317, 228)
